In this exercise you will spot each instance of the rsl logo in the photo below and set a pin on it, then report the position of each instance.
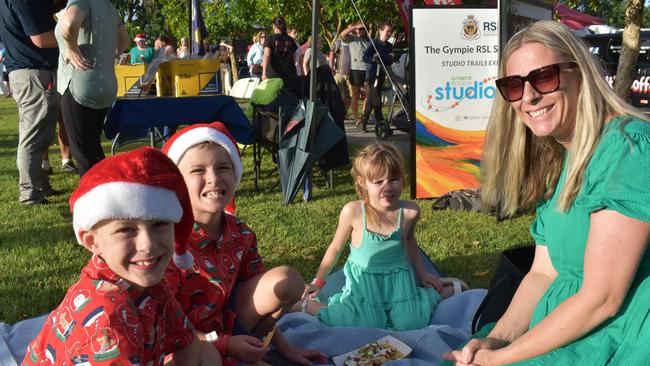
(471, 28)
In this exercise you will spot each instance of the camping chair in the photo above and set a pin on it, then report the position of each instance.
(267, 137)
(243, 88)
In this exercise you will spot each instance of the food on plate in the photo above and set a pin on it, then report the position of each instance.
(373, 354)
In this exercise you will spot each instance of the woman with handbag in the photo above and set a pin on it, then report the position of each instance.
(561, 139)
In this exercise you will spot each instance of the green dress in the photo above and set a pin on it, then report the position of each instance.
(380, 287)
(617, 178)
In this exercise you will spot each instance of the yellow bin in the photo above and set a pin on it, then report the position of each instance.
(164, 80)
(128, 79)
(195, 77)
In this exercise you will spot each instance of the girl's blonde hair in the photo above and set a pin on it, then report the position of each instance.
(520, 168)
(375, 161)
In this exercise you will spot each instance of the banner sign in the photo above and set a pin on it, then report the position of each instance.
(456, 52)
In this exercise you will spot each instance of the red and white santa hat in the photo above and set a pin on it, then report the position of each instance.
(140, 37)
(193, 135)
(142, 184)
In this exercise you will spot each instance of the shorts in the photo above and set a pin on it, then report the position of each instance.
(357, 77)
(238, 328)
(5, 76)
(343, 82)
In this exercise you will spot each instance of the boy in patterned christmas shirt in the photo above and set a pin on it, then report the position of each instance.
(127, 211)
(228, 295)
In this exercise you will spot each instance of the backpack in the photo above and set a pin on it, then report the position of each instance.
(462, 199)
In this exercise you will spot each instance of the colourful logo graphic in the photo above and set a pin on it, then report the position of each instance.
(456, 90)
(447, 159)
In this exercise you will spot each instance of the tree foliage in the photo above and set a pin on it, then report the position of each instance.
(611, 11)
(240, 19)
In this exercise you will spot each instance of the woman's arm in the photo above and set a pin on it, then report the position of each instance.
(228, 47)
(615, 245)
(70, 25)
(305, 63)
(123, 40)
(249, 56)
(265, 61)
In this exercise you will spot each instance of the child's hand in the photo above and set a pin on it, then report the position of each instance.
(246, 348)
(311, 291)
(429, 280)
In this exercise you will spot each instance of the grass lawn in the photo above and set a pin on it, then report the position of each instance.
(39, 257)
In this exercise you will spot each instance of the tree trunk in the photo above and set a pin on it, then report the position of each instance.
(234, 70)
(630, 48)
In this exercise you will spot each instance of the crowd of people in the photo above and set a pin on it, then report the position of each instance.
(175, 277)
(357, 63)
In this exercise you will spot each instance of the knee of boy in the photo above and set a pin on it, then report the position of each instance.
(289, 285)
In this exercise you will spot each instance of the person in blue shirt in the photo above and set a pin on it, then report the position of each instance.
(378, 49)
(27, 31)
(255, 55)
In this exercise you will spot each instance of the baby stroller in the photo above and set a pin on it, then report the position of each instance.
(399, 119)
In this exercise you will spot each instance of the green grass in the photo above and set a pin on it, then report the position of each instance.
(39, 257)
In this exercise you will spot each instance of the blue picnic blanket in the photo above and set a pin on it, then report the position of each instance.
(449, 328)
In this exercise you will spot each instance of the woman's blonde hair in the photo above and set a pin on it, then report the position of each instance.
(520, 168)
(375, 161)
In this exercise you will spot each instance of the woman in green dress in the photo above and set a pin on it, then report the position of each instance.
(560, 139)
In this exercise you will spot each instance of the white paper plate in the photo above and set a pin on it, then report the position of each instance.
(401, 346)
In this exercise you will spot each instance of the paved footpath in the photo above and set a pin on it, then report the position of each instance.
(399, 138)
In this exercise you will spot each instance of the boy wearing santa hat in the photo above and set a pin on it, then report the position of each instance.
(228, 296)
(133, 213)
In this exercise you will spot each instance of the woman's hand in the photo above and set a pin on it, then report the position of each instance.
(477, 352)
(246, 348)
(73, 56)
(429, 280)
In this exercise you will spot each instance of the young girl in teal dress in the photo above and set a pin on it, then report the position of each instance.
(386, 285)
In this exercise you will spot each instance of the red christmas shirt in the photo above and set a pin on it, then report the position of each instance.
(103, 320)
(219, 265)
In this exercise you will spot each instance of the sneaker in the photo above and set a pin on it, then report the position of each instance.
(44, 201)
(49, 191)
(69, 167)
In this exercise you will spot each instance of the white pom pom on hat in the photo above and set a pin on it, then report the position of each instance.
(142, 184)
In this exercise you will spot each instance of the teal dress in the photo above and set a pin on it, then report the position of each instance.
(380, 287)
(617, 178)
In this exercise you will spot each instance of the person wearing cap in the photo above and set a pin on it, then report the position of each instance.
(228, 295)
(141, 53)
(133, 213)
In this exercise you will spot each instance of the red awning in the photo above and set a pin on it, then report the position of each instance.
(573, 18)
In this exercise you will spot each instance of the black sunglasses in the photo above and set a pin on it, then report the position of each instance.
(545, 80)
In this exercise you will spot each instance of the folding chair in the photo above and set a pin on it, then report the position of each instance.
(267, 137)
